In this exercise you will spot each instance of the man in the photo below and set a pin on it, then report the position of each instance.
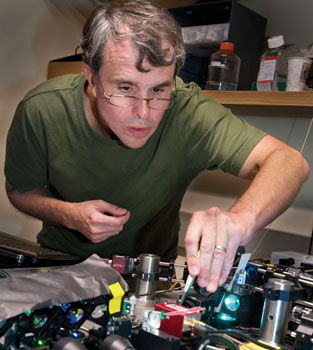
(104, 158)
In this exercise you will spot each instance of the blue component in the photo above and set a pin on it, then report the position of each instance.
(76, 334)
(75, 315)
(232, 302)
(251, 274)
(65, 306)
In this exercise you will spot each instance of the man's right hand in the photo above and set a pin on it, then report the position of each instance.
(98, 220)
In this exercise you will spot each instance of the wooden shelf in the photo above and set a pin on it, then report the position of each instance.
(266, 103)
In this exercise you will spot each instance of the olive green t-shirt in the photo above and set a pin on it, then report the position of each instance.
(50, 143)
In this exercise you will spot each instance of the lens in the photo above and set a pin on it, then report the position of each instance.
(159, 103)
(123, 101)
(129, 101)
(232, 302)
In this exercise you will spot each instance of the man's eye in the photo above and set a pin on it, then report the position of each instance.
(125, 89)
(157, 91)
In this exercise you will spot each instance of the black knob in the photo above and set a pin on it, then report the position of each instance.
(68, 343)
(116, 342)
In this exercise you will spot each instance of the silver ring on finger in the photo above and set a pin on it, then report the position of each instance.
(220, 247)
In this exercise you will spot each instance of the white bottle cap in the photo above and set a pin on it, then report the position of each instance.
(275, 41)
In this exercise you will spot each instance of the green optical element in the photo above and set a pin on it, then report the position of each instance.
(39, 320)
(41, 342)
(126, 306)
(232, 302)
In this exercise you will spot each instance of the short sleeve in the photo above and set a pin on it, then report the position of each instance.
(212, 136)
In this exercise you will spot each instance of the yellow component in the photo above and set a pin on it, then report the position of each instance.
(271, 345)
(173, 286)
(188, 322)
(253, 346)
(191, 322)
(115, 304)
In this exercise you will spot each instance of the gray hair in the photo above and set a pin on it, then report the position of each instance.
(148, 26)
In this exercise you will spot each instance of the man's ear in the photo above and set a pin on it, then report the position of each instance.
(91, 79)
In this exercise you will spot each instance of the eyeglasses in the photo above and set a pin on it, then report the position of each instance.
(125, 101)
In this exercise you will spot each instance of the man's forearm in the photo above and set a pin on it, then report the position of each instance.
(41, 204)
(97, 220)
(273, 189)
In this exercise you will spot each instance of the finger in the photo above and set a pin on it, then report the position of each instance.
(227, 266)
(207, 246)
(213, 249)
(234, 239)
(192, 241)
(219, 264)
(228, 262)
(215, 270)
(113, 209)
(107, 222)
(111, 224)
(120, 220)
(102, 236)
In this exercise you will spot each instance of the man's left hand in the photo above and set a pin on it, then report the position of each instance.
(211, 243)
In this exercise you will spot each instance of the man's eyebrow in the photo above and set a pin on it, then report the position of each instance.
(164, 84)
(124, 81)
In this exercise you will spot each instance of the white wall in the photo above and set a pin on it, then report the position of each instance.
(291, 18)
(32, 32)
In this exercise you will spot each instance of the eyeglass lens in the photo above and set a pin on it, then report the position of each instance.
(129, 101)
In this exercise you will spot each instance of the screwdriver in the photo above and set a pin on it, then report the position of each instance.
(189, 282)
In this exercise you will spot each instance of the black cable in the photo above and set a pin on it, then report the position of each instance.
(234, 333)
(251, 330)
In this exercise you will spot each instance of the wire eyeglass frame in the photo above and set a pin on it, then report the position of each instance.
(171, 101)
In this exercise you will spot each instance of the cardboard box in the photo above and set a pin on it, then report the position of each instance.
(65, 65)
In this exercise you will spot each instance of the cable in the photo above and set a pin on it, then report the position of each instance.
(161, 291)
(218, 339)
(306, 136)
(234, 333)
(204, 328)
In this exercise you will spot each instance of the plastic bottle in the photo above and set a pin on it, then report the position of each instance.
(273, 70)
(224, 68)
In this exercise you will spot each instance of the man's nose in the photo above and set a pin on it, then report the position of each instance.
(142, 109)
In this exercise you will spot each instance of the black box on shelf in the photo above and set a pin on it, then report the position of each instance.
(206, 25)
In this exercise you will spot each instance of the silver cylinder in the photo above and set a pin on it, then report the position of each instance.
(276, 313)
(147, 276)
